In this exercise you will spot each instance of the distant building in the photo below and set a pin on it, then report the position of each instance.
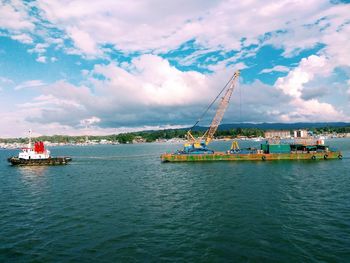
(138, 139)
(277, 134)
(300, 134)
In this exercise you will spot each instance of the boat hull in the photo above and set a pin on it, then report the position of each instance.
(38, 162)
(221, 156)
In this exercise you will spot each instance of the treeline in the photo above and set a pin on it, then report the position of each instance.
(151, 136)
(330, 130)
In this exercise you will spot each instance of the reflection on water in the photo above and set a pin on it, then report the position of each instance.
(34, 178)
(32, 171)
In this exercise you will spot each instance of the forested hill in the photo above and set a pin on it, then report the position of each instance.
(283, 126)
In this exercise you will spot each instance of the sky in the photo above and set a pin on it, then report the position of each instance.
(108, 66)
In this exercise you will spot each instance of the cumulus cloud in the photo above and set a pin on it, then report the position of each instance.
(147, 92)
(152, 81)
(293, 85)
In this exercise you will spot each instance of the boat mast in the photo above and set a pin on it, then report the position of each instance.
(30, 139)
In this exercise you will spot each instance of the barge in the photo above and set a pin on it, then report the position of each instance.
(196, 149)
(267, 152)
(250, 156)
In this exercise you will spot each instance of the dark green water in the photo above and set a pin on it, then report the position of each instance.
(119, 203)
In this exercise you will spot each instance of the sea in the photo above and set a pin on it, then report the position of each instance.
(119, 203)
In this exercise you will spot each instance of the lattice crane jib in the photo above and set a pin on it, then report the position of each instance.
(223, 104)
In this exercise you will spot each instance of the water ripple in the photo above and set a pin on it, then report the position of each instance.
(105, 206)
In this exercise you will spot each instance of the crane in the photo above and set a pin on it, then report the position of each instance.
(200, 145)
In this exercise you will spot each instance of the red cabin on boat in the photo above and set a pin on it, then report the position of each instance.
(39, 147)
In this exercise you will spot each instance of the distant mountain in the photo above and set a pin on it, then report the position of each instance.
(278, 126)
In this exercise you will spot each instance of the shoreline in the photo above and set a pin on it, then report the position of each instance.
(16, 146)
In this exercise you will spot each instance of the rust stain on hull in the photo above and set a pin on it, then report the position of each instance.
(221, 156)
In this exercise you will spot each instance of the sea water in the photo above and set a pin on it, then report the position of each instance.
(120, 203)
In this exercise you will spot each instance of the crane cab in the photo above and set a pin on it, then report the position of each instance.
(196, 148)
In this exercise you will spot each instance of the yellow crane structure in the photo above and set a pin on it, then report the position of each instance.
(200, 145)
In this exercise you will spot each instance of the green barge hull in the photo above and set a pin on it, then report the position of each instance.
(221, 156)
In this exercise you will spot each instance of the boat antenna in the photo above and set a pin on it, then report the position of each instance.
(30, 138)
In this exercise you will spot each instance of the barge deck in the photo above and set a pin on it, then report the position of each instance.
(222, 156)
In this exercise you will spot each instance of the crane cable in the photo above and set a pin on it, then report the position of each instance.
(211, 104)
(240, 103)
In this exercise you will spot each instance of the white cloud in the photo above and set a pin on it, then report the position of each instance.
(294, 84)
(278, 68)
(30, 84)
(329, 26)
(24, 38)
(338, 45)
(156, 26)
(14, 16)
(39, 48)
(145, 25)
(214, 25)
(308, 68)
(313, 110)
(90, 121)
(83, 41)
(50, 102)
(41, 59)
(152, 81)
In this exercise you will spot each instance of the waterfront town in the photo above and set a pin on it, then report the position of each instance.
(163, 137)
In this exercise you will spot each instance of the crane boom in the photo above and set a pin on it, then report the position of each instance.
(196, 146)
(209, 134)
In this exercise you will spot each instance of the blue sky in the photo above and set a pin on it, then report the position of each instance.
(102, 67)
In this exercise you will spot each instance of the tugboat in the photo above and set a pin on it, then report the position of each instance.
(37, 155)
